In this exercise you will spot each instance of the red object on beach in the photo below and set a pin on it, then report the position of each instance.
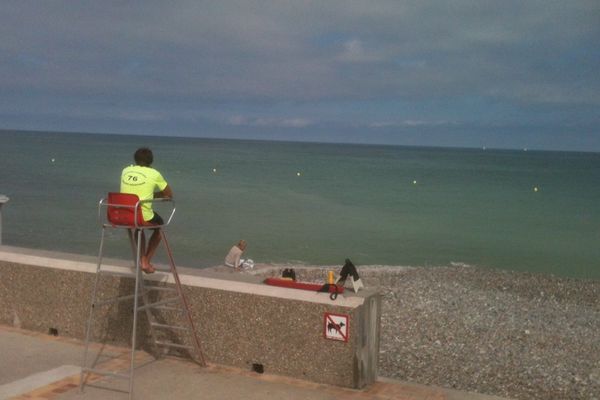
(314, 287)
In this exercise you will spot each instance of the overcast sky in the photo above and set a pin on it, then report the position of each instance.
(508, 74)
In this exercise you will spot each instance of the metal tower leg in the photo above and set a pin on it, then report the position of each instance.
(138, 277)
(92, 306)
(188, 314)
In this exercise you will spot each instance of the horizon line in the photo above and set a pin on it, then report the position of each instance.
(180, 136)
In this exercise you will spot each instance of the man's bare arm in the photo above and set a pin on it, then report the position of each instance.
(167, 193)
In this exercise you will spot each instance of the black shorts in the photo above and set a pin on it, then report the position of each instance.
(156, 220)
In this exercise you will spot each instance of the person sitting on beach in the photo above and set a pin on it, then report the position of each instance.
(233, 258)
(142, 180)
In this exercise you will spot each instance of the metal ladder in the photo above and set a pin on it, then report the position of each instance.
(175, 301)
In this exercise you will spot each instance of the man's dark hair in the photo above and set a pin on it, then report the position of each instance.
(143, 156)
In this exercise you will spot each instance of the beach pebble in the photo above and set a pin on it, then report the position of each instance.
(595, 376)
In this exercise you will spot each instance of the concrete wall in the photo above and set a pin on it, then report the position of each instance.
(240, 323)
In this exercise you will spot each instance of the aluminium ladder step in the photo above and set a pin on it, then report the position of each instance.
(165, 271)
(159, 303)
(175, 345)
(165, 326)
(167, 308)
(119, 274)
(113, 300)
(160, 288)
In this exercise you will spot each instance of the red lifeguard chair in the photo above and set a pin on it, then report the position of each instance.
(124, 211)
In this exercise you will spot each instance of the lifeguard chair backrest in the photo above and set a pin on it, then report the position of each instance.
(121, 209)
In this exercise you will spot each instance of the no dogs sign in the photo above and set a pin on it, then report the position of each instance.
(335, 327)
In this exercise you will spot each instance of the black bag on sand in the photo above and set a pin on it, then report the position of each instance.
(289, 273)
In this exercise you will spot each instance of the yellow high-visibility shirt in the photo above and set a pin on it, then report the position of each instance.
(142, 181)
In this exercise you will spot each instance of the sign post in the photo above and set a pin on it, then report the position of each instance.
(3, 200)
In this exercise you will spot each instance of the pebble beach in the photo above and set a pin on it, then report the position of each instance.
(511, 334)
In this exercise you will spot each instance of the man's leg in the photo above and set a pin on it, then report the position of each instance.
(152, 246)
(142, 248)
(142, 245)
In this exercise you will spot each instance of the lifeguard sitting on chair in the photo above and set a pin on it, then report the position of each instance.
(142, 180)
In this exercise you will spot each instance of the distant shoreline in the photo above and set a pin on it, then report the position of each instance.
(245, 139)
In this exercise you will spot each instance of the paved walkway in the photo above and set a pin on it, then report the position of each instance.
(39, 366)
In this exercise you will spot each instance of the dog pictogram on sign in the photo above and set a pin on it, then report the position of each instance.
(336, 327)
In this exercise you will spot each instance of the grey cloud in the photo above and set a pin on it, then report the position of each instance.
(194, 53)
(297, 122)
(258, 49)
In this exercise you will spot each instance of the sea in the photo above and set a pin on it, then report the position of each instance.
(315, 203)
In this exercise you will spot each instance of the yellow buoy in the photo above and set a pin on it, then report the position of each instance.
(414, 182)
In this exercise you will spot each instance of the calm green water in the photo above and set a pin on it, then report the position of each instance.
(467, 206)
